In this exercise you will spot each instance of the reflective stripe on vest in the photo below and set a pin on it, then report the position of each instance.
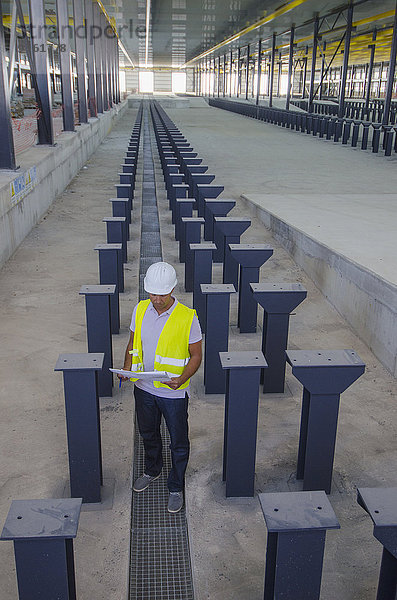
(176, 362)
(172, 352)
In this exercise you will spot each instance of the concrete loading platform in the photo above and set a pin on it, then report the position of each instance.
(43, 315)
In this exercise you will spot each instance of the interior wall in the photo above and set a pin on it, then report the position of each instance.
(48, 170)
(162, 81)
(131, 81)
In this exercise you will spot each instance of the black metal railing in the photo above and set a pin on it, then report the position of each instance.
(358, 132)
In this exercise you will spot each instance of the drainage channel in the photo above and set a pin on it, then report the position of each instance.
(160, 567)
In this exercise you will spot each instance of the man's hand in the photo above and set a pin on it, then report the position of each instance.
(122, 378)
(175, 382)
(127, 357)
(195, 359)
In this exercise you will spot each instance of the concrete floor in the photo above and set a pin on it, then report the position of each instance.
(43, 315)
(228, 536)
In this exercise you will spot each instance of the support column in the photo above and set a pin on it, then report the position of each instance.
(80, 382)
(110, 42)
(191, 234)
(7, 152)
(39, 65)
(116, 233)
(227, 230)
(65, 60)
(217, 334)
(106, 40)
(217, 207)
(51, 59)
(280, 72)
(12, 51)
(290, 65)
(253, 81)
(267, 64)
(380, 504)
(250, 257)
(342, 92)
(369, 75)
(109, 34)
(322, 69)
(313, 70)
(198, 80)
(202, 274)
(304, 78)
(238, 83)
(99, 336)
(230, 74)
(19, 79)
(43, 532)
(112, 68)
(116, 70)
(258, 86)
(247, 72)
(278, 301)
(110, 265)
(224, 75)
(296, 524)
(325, 375)
(243, 371)
(97, 34)
(104, 70)
(113, 45)
(80, 59)
(219, 74)
(390, 74)
(273, 56)
(89, 22)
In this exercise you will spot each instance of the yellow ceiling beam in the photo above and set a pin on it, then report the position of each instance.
(52, 19)
(282, 10)
(264, 21)
(379, 17)
(110, 21)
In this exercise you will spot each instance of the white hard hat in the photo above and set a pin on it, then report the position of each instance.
(160, 278)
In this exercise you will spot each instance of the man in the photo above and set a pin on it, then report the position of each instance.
(165, 336)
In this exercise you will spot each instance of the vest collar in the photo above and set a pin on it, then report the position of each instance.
(166, 312)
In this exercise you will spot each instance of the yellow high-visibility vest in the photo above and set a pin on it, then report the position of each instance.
(172, 351)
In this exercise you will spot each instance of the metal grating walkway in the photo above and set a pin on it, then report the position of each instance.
(160, 566)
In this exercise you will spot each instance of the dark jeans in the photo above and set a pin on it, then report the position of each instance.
(149, 409)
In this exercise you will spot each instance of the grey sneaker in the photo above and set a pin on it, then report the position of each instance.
(143, 482)
(175, 502)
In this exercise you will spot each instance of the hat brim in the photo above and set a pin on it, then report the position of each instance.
(157, 291)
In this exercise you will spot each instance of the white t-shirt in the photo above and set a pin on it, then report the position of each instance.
(152, 326)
